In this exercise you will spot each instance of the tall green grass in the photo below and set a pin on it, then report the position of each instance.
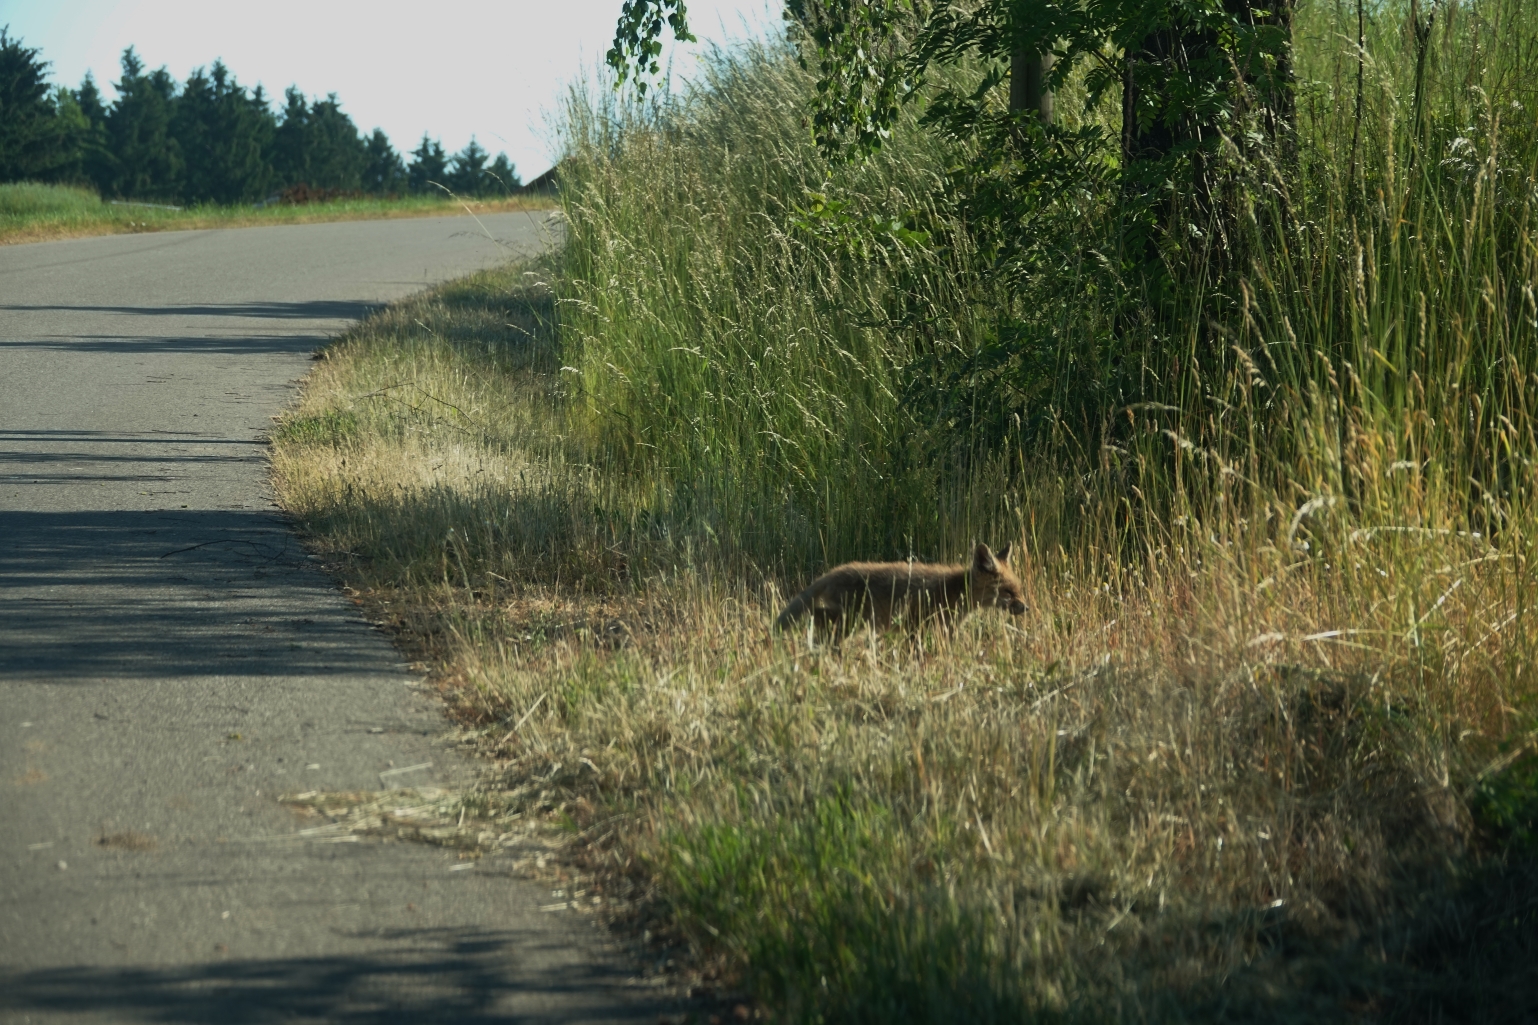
(715, 346)
(751, 371)
(23, 200)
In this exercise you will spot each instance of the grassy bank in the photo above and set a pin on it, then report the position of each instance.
(1262, 747)
(40, 213)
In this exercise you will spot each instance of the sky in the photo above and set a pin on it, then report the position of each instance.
(451, 68)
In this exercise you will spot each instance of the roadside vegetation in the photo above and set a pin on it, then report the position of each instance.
(31, 212)
(1263, 745)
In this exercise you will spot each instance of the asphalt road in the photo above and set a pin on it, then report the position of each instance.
(171, 661)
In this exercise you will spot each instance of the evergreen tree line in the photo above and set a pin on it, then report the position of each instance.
(209, 140)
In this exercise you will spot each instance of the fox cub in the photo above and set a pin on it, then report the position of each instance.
(907, 592)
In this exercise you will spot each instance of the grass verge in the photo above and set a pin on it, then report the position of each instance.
(1218, 782)
(1263, 746)
(40, 213)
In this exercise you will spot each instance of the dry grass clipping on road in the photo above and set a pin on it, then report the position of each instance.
(1218, 779)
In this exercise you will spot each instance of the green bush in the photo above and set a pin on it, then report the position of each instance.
(332, 427)
(25, 200)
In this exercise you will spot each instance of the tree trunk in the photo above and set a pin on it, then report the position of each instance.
(1152, 139)
(1028, 84)
(1169, 51)
(1259, 79)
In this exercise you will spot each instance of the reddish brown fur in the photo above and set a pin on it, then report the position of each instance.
(907, 592)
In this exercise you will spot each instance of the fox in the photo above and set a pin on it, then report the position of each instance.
(911, 593)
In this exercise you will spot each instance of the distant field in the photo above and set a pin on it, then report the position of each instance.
(38, 213)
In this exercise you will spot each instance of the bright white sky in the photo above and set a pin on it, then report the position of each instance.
(453, 68)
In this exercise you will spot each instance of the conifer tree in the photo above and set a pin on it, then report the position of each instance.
(224, 137)
(269, 120)
(34, 142)
(504, 177)
(385, 173)
(147, 156)
(318, 145)
(429, 166)
(468, 177)
(338, 155)
(74, 131)
(97, 164)
(193, 125)
(290, 142)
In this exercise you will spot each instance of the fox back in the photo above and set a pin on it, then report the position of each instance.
(885, 593)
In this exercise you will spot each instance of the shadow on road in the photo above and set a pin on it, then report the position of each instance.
(317, 309)
(464, 976)
(165, 594)
(109, 438)
(244, 344)
(160, 457)
(176, 339)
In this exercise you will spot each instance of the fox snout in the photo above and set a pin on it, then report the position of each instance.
(1011, 603)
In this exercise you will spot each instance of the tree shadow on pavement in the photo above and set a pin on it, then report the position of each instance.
(464, 976)
(318, 309)
(167, 594)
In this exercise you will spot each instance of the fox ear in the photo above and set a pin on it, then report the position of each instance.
(1002, 554)
(983, 560)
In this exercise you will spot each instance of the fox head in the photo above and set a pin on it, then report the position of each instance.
(992, 583)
